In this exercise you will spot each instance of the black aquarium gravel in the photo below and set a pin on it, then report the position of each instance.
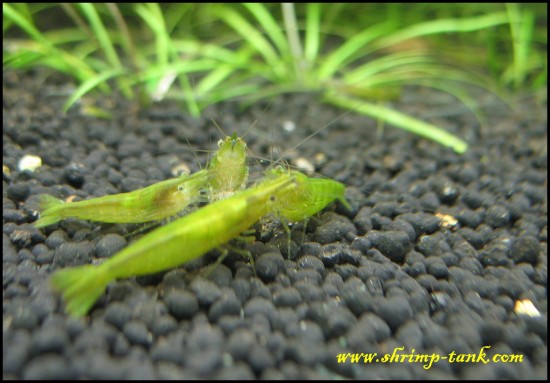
(439, 271)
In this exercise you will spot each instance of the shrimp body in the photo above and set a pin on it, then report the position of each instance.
(226, 173)
(310, 196)
(227, 170)
(154, 202)
(171, 245)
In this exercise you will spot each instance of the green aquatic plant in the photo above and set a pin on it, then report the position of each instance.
(203, 54)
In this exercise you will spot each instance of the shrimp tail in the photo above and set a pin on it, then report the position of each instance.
(81, 286)
(49, 210)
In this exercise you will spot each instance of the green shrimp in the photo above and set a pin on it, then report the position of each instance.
(154, 202)
(226, 173)
(178, 242)
(310, 196)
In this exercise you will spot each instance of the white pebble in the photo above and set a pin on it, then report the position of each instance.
(304, 165)
(29, 162)
(289, 126)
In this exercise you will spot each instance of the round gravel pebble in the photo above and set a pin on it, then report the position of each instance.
(206, 291)
(287, 297)
(333, 320)
(181, 304)
(259, 305)
(260, 359)
(73, 254)
(228, 304)
(49, 339)
(137, 333)
(74, 175)
(48, 366)
(18, 192)
(436, 267)
(394, 311)
(393, 244)
(118, 314)
(368, 329)
(526, 249)
(363, 221)
(422, 223)
(205, 344)
(164, 326)
(334, 229)
(497, 216)
(18, 354)
(109, 245)
(169, 349)
(268, 265)
(240, 343)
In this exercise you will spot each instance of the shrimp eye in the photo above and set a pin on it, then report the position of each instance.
(181, 188)
(273, 198)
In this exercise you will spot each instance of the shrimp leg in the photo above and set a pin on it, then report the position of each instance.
(310, 196)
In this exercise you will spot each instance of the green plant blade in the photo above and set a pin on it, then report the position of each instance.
(270, 26)
(254, 37)
(337, 59)
(400, 120)
(442, 26)
(90, 84)
(312, 40)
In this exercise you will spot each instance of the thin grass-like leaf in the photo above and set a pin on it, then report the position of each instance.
(441, 26)
(194, 48)
(214, 78)
(182, 66)
(101, 34)
(312, 39)
(152, 15)
(90, 84)
(269, 25)
(127, 41)
(336, 59)
(190, 100)
(232, 91)
(399, 120)
(408, 60)
(21, 59)
(106, 44)
(254, 38)
(521, 30)
(25, 24)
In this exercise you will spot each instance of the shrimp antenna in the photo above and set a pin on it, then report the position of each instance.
(194, 151)
(318, 131)
(219, 128)
(250, 128)
(256, 121)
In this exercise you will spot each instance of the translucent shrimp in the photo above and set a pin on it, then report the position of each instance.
(178, 242)
(154, 202)
(227, 170)
(310, 196)
(226, 173)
